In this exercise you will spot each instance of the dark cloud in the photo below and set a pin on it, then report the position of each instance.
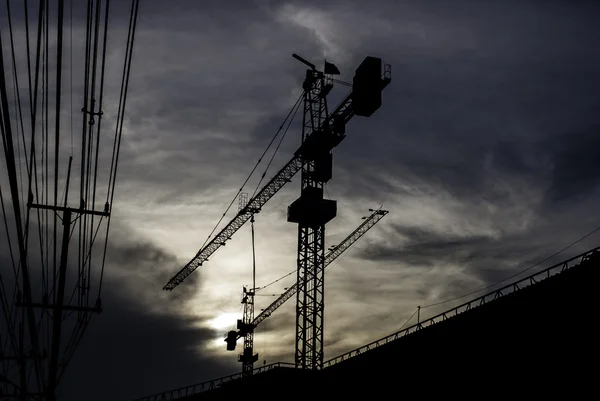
(490, 91)
(482, 260)
(144, 341)
(576, 156)
(132, 258)
(129, 352)
(427, 245)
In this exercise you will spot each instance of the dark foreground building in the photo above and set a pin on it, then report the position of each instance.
(535, 337)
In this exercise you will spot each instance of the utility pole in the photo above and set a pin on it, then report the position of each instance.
(58, 308)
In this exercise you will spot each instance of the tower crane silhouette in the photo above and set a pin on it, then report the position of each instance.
(321, 132)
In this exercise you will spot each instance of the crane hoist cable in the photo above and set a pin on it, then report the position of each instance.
(277, 148)
(294, 107)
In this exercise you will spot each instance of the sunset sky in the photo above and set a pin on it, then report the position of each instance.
(484, 151)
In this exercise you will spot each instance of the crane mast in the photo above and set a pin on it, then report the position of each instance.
(248, 357)
(311, 211)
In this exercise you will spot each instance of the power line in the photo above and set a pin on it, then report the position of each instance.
(514, 274)
(119, 126)
(71, 71)
(39, 189)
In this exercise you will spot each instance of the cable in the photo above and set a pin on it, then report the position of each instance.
(59, 64)
(99, 115)
(275, 281)
(119, 128)
(17, 91)
(86, 93)
(88, 256)
(296, 106)
(408, 320)
(92, 152)
(71, 71)
(10, 250)
(33, 97)
(515, 274)
(251, 172)
(7, 140)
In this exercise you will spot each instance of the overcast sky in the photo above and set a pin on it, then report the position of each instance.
(484, 152)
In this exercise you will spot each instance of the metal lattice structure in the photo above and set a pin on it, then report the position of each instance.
(57, 217)
(311, 211)
(310, 278)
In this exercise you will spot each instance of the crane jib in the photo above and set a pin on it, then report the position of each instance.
(256, 203)
(343, 113)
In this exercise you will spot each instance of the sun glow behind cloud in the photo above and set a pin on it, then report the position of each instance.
(223, 322)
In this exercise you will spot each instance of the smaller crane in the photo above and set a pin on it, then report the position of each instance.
(248, 323)
(247, 358)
